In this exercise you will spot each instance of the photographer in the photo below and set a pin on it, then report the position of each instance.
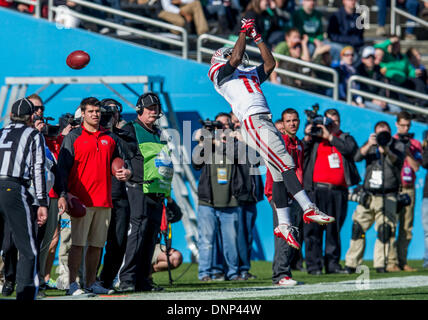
(218, 209)
(411, 165)
(384, 159)
(329, 170)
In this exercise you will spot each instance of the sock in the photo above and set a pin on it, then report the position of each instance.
(283, 215)
(303, 200)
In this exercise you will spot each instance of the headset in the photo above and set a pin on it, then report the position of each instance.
(146, 100)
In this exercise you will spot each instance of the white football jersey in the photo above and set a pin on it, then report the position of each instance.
(241, 89)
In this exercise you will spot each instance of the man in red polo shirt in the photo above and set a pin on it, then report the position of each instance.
(84, 171)
(329, 171)
(284, 253)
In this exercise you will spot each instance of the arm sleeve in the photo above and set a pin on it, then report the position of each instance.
(224, 73)
(261, 73)
(65, 163)
(39, 175)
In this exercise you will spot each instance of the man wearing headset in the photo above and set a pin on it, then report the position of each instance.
(147, 191)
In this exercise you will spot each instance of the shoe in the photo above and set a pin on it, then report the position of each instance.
(8, 288)
(410, 36)
(237, 278)
(408, 268)
(350, 270)
(338, 270)
(122, 287)
(98, 289)
(286, 282)
(315, 272)
(74, 290)
(393, 268)
(218, 277)
(105, 30)
(380, 31)
(41, 294)
(313, 214)
(287, 233)
(50, 284)
(205, 279)
(248, 276)
(381, 270)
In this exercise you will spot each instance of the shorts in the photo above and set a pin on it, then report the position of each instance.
(92, 228)
(260, 133)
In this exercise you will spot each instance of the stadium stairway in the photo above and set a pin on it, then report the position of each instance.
(190, 92)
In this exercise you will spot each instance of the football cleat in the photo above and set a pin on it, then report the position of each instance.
(287, 232)
(286, 282)
(313, 214)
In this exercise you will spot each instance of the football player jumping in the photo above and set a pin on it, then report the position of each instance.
(240, 86)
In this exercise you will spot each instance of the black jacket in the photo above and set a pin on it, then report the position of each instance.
(425, 165)
(375, 75)
(346, 145)
(342, 28)
(392, 174)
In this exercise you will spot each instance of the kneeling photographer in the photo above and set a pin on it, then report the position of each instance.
(379, 200)
(329, 170)
(218, 208)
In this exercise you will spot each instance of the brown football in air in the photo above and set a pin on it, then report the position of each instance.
(117, 164)
(76, 209)
(78, 59)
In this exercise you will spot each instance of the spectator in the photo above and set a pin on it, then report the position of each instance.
(218, 210)
(183, 13)
(329, 171)
(297, 48)
(343, 30)
(384, 161)
(309, 21)
(28, 147)
(411, 6)
(411, 165)
(271, 26)
(279, 124)
(415, 59)
(322, 56)
(284, 254)
(82, 148)
(284, 9)
(368, 69)
(425, 199)
(345, 70)
(147, 191)
(397, 68)
(225, 12)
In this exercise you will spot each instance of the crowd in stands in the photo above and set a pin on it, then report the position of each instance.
(297, 29)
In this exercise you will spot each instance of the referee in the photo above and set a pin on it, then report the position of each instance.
(22, 159)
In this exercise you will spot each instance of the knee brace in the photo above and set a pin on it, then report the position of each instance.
(384, 232)
(357, 231)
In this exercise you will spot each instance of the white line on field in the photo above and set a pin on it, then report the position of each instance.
(272, 291)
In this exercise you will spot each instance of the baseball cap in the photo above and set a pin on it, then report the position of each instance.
(22, 107)
(148, 99)
(368, 51)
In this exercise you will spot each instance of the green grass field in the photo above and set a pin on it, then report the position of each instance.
(185, 280)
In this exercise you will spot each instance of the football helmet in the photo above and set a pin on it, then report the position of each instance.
(220, 56)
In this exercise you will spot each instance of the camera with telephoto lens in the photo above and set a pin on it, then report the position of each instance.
(314, 119)
(68, 119)
(405, 137)
(211, 126)
(359, 195)
(383, 138)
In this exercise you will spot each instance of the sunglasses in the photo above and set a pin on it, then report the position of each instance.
(297, 46)
(348, 54)
(39, 107)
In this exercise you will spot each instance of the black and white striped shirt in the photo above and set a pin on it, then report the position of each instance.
(22, 156)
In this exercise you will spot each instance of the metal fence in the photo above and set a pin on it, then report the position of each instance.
(404, 105)
(394, 11)
(334, 84)
(36, 3)
(183, 42)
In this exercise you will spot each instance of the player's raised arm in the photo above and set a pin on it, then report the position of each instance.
(239, 48)
(268, 60)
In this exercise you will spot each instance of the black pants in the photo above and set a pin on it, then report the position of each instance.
(15, 209)
(144, 226)
(333, 202)
(284, 254)
(116, 241)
